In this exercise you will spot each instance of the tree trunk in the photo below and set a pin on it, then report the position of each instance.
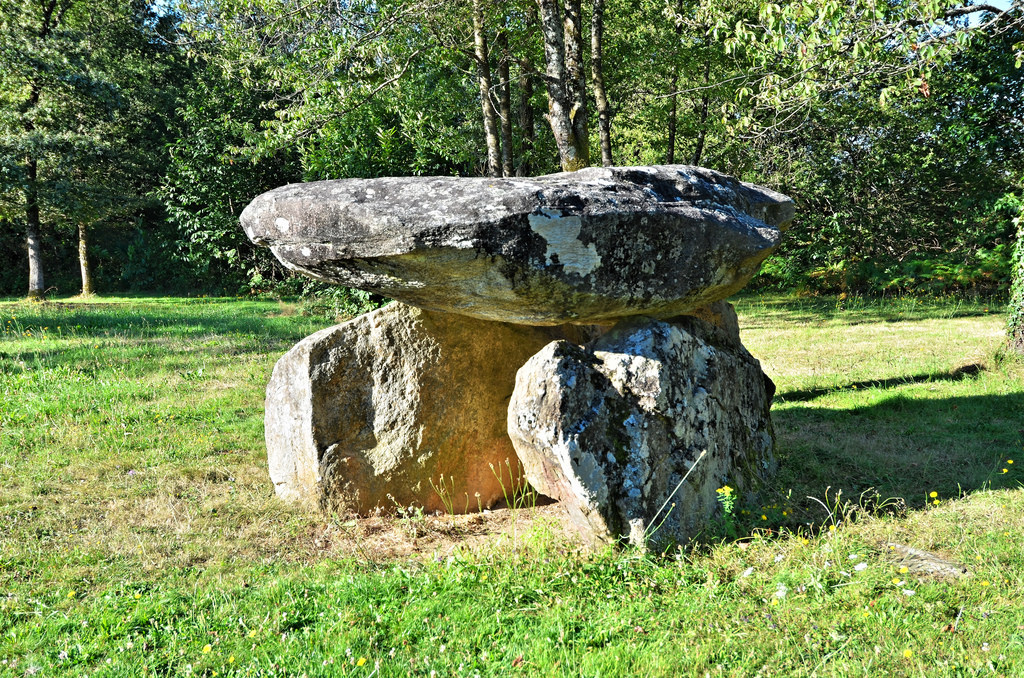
(483, 71)
(526, 121)
(505, 104)
(576, 75)
(702, 115)
(36, 284)
(83, 260)
(673, 116)
(573, 153)
(604, 113)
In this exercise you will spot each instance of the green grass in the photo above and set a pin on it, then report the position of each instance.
(138, 527)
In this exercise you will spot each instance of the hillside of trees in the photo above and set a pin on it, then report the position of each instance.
(132, 134)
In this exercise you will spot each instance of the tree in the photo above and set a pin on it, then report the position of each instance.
(798, 52)
(209, 182)
(481, 56)
(81, 116)
(565, 78)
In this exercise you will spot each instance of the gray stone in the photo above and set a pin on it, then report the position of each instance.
(585, 247)
(611, 429)
(396, 408)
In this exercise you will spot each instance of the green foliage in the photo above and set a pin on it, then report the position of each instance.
(336, 303)
(894, 128)
(907, 197)
(385, 96)
(1015, 324)
(209, 182)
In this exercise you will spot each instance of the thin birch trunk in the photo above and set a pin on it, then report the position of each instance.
(526, 120)
(505, 104)
(51, 18)
(702, 116)
(673, 116)
(83, 260)
(483, 70)
(36, 285)
(604, 113)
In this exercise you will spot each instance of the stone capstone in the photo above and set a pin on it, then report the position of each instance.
(591, 246)
(611, 428)
(397, 408)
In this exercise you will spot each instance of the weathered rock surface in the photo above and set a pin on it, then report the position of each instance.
(585, 247)
(368, 413)
(611, 429)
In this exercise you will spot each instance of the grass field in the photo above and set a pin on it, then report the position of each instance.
(139, 534)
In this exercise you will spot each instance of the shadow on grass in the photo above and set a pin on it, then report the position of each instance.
(146, 336)
(903, 447)
(959, 374)
(767, 310)
(165, 317)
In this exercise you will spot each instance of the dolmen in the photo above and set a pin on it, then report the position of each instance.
(569, 331)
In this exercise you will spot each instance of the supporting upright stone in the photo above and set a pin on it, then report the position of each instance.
(612, 429)
(399, 407)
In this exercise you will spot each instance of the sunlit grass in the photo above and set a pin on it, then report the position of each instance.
(139, 534)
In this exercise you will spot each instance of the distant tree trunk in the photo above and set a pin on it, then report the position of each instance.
(565, 114)
(36, 285)
(604, 113)
(576, 73)
(483, 70)
(673, 113)
(83, 260)
(673, 117)
(702, 116)
(52, 16)
(505, 104)
(526, 121)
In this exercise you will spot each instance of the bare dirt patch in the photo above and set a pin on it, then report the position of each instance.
(386, 538)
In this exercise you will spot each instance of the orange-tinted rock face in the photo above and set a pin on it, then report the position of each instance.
(396, 408)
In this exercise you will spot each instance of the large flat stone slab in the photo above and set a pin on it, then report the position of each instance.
(585, 247)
